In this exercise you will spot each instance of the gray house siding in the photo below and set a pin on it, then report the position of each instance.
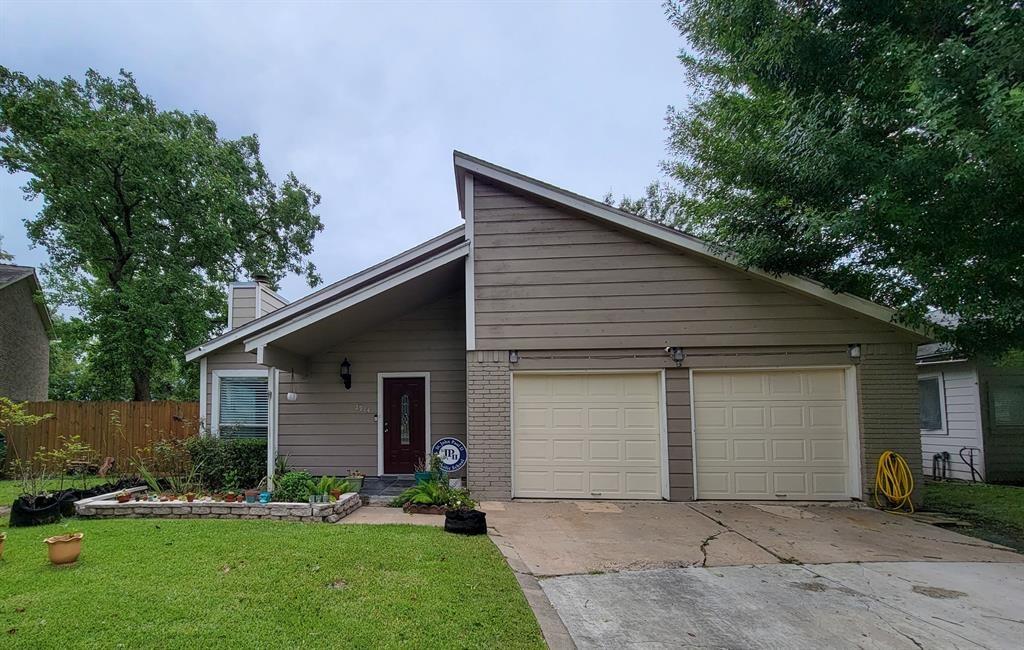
(330, 430)
(568, 293)
(244, 307)
(24, 345)
(549, 279)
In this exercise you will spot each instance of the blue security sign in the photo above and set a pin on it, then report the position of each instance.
(452, 453)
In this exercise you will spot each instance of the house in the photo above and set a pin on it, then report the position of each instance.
(25, 334)
(972, 413)
(579, 352)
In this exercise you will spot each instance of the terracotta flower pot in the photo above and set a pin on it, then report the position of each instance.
(123, 498)
(3, 538)
(190, 497)
(64, 549)
(336, 494)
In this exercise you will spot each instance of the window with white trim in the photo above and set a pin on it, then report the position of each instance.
(242, 404)
(930, 392)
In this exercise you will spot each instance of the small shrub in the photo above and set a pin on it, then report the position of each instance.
(293, 486)
(228, 463)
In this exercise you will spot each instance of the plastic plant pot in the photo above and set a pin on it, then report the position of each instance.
(264, 497)
(355, 483)
(64, 549)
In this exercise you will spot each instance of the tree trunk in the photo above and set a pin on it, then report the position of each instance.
(140, 385)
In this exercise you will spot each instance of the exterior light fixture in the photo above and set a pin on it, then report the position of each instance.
(346, 373)
(677, 355)
(854, 350)
(513, 356)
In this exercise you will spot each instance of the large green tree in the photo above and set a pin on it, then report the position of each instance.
(146, 214)
(875, 146)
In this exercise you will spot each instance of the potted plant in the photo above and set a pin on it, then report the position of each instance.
(422, 471)
(252, 495)
(64, 549)
(123, 496)
(3, 538)
(190, 496)
(230, 496)
(462, 517)
(355, 480)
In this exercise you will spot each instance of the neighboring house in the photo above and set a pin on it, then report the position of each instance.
(25, 334)
(970, 404)
(580, 352)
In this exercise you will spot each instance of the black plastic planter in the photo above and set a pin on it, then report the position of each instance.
(465, 522)
(46, 510)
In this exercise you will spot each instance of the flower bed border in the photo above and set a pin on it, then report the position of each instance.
(106, 506)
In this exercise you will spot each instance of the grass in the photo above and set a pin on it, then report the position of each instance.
(996, 511)
(258, 584)
(10, 489)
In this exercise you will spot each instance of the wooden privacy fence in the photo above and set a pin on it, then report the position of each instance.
(114, 429)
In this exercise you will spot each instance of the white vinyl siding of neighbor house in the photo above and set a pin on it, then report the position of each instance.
(549, 279)
(961, 419)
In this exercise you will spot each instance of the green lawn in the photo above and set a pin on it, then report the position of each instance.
(9, 490)
(255, 584)
(997, 511)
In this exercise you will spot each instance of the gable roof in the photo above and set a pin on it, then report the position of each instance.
(466, 164)
(12, 273)
(335, 292)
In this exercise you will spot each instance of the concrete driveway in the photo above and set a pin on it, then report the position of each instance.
(738, 575)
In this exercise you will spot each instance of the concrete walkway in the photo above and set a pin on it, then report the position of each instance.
(383, 515)
(877, 605)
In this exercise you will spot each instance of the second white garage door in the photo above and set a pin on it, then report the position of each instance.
(587, 436)
(772, 434)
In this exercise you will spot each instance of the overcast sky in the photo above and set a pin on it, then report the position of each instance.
(365, 102)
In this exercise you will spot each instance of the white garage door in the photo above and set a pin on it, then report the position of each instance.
(771, 435)
(587, 436)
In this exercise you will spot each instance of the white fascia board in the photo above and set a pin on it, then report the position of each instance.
(365, 293)
(327, 293)
(675, 238)
(469, 288)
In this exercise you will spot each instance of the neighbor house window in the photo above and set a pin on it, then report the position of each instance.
(241, 404)
(930, 389)
(1007, 404)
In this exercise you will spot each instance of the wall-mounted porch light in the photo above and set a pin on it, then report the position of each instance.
(346, 373)
(513, 356)
(854, 351)
(677, 355)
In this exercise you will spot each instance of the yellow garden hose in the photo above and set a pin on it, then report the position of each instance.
(894, 480)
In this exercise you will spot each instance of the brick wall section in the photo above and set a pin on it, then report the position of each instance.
(24, 346)
(489, 425)
(889, 409)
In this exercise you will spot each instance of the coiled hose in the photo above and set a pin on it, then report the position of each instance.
(894, 480)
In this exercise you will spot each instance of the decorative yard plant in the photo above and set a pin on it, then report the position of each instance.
(293, 487)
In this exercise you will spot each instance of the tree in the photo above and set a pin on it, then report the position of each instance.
(877, 147)
(146, 215)
(5, 257)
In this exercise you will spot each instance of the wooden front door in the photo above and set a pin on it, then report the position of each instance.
(405, 424)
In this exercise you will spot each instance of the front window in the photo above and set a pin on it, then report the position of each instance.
(930, 389)
(242, 410)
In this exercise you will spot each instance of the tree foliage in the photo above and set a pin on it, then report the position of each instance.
(146, 215)
(875, 146)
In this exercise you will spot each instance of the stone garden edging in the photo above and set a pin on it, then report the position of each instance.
(105, 507)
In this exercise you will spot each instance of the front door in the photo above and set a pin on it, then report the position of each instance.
(405, 424)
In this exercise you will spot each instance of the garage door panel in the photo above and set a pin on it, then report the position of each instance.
(587, 436)
(771, 434)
